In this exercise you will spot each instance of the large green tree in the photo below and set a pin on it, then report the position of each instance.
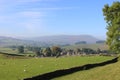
(112, 17)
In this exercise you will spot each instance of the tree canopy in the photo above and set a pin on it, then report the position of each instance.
(56, 50)
(112, 17)
(21, 49)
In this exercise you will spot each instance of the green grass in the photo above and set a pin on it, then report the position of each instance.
(108, 72)
(13, 69)
(92, 46)
(8, 50)
(11, 51)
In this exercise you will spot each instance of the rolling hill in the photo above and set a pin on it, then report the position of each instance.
(9, 41)
(47, 40)
(65, 39)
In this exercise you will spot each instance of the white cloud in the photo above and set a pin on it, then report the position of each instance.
(29, 21)
(26, 1)
(63, 8)
(6, 4)
(32, 21)
(23, 1)
(33, 25)
(30, 18)
(31, 14)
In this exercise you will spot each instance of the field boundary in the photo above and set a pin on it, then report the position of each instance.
(58, 73)
(10, 54)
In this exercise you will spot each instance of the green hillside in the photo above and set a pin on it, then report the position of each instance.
(92, 46)
(108, 72)
(20, 68)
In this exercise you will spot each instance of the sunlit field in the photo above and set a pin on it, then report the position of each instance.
(108, 72)
(92, 46)
(20, 68)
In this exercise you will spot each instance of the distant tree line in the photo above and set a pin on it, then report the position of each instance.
(56, 51)
(81, 42)
(84, 42)
(21, 49)
(100, 41)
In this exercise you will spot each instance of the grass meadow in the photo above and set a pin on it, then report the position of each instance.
(92, 46)
(8, 50)
(108, 72)
(18, 69)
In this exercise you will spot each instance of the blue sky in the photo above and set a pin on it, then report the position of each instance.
(32, 18)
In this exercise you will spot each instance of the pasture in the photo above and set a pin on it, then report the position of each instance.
(108, 72)
(18, 69)
(8, 50)
(92, 46)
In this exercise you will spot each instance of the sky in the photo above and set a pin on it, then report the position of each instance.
(33, 18)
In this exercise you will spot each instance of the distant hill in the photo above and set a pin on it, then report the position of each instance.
(9, 41)
(5, 41)
(65, 39)
(48, 40)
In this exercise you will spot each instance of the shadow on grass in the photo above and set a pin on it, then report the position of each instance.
(58, 73)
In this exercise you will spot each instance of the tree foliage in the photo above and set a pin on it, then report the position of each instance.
(56, 50)
(112, 17)
(47, 52)
(37, 50)
(81, 42)
(100, 41)
(21, 49)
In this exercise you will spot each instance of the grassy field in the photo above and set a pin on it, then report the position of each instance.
(11, 51)
(108, 72)
(17, 69)
(8, 50)
(92, 46)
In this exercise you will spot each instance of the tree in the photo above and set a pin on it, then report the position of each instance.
(56, 50)
(88, 51)
(30, 48)
(98, 51)
(100, 41)
(47, 52)
(112, 17)
(37, 50)
(77, 51)
(21, 49)
(81, 42)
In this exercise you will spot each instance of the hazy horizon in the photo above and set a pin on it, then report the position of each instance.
(30, 37)
(34, 18)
